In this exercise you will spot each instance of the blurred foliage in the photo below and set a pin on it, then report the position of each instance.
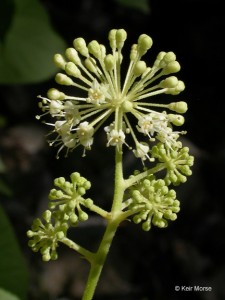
(141, 5)
(13, 272)
(27, 42)
(7, 296)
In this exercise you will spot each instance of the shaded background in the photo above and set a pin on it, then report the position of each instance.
(141, 265)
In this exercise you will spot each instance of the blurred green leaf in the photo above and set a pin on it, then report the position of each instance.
(141, 5)
(5, 295)
(6, 14)
(29, 45)
(13, 271)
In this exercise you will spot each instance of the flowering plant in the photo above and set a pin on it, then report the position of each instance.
(121, 107)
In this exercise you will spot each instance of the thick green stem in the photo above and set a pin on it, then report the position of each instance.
(99, 257)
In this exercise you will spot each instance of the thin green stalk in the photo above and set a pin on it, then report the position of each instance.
(99, 257)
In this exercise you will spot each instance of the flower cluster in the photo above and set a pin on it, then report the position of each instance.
(45, 235)
(151, 201)
(177, 162)
(68, 198)
(108, 97)
(65, 209)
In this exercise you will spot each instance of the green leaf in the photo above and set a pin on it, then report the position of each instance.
(13, 271)
(141, 5)
(6, 14)
(5, 295)
(29, 45)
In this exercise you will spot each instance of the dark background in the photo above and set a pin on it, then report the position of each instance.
(141, 265)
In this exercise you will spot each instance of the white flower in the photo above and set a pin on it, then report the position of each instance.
(141, 151)
(151, 123)
(97, 93)
(115, 137)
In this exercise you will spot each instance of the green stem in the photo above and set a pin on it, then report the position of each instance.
(99, 257)
(134, 179)
(84, 252)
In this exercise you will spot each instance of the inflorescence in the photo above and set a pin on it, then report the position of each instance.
(65, 210)
(107, 96)
(117, 101)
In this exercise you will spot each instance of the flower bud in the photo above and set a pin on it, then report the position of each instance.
(172, 67)
(72, 55)
(133, 52)
(109, 62)
(63, 79)
(80, 46)
(169, 82)
(169, 57)
(139, 68)
(90, 64)
(54, 94)
(121, 36)
(144, 43)
(72, 70)
(112, 38)
(94, 49)
(179, 107)
(177, 120)
(59, 61)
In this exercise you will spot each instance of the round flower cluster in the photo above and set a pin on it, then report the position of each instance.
(65, 209)
(151, 201)
(45, 235)
(108, 96)
(176, 160)
(68, 199)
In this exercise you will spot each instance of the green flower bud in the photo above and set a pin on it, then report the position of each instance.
(80, 45)
(94, 49)
(144, 43)
(146, 226)
(47, 216)
(73, 219)
(90, 64)
(63, 79)
(83, 216)
(88, 203)
(133, 52)
(72, 70)
(179, 107)
(172, 67)
(54, 94)
(121, 36)
(177, 120)
(109, 62)
(169, 82)
(59, 61)
(169, 57)
(139, 68)
(112, 38)
(73, 56)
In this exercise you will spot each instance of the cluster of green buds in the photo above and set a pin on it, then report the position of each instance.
(110, 97)
(176, 160)
(65, 210)
(68, 198)
(152, 202)
(45, 235)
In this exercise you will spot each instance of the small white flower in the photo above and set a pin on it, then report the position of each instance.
(115, 137)
(141, 151)
(55, 108)
(168, 137)
(97, 93)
